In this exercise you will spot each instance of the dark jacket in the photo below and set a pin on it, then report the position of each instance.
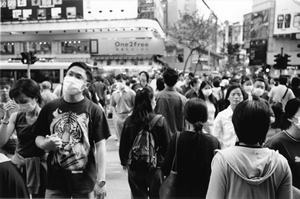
(193, 177)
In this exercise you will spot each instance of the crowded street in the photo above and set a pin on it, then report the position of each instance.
(150, 99)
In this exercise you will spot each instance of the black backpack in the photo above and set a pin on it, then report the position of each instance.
(143, 154)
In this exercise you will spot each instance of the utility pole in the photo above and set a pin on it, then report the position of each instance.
(281, 56)
(29, 61)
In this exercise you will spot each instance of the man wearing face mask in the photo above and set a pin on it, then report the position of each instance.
(259, 86)
(72, 128)
(122, 102)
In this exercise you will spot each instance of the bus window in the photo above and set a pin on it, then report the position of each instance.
(45, 75)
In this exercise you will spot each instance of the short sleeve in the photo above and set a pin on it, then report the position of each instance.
(42, 122)
(100, 127)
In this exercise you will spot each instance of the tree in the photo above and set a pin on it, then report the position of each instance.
(193, 32)
(232, 52)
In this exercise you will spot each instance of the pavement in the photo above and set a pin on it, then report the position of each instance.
(117, 183)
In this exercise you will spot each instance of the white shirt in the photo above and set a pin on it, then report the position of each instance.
(223, 128)
(277, 93)
(211, 109)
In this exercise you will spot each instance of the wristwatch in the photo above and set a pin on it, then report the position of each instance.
(101, 183)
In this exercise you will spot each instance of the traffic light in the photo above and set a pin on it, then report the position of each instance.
(33, 58)
(268, 68)
(298, 55)
(279, 61)
(28, 57)
(24, 57)
(286, 60)
(180, 57)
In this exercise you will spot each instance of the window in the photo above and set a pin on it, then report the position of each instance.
(7, 49)
(41, 47)
(75, 47)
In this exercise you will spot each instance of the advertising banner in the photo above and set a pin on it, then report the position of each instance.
(247, 27)
(131, 46)
(258, 52)
(260, 25)
(287, 17)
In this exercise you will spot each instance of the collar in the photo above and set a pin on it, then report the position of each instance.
(125, 90)
(228, 111)
(3, 158)
(168, 88)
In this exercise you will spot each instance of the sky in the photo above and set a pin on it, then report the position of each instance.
(231, 10)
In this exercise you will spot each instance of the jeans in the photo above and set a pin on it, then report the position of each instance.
(61, 194)
(145, 184)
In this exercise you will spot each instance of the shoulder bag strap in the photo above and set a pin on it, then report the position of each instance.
(284, 94)
(174, 164)
(154, 121)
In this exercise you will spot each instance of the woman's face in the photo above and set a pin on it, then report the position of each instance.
(23, 99)
(235, 96)
(248, 86)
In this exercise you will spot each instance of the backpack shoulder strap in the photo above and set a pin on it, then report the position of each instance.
(154, 121)
(284, 93)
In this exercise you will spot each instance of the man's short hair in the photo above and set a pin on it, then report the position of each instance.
(121, 76)
(194, 81)
(282, 80)
(46, 85)
(170, 76)
(259, 80)
(251, 121)
(88, 70)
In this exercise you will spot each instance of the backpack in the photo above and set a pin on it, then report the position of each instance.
(143, 154)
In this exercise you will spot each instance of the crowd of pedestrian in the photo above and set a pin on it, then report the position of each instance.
(224, 136)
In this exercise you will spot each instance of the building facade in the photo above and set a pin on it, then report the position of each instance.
(119, 35)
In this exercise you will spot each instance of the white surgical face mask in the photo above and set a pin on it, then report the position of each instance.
(248, 89)
(28, 107)
(207, 92)
(72, 85)
(258, 92)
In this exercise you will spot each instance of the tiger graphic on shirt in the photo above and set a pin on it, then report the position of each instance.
(73, 130)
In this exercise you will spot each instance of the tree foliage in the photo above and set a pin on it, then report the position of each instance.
(193, 32)
(232, 52)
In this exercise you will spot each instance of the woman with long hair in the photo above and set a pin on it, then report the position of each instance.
(247, 85)
(223, 126)
(143, 183)
(31, 160)
(205, 93)
(195, 151)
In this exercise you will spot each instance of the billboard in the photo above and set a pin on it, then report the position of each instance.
(258, 52)
(259, 25)
(287, 17)
(120, 46)
(247, 28)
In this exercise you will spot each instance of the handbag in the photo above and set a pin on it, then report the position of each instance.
(168, 188)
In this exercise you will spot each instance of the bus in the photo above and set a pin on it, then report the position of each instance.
(39, 71)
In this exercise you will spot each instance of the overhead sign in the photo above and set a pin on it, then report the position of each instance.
(260, 25)
(131, 46)
(287, 17)
(258, 52)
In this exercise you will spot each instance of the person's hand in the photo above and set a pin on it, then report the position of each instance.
(100, 192)
(125, 168)
(53, 142)
(9, 108)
